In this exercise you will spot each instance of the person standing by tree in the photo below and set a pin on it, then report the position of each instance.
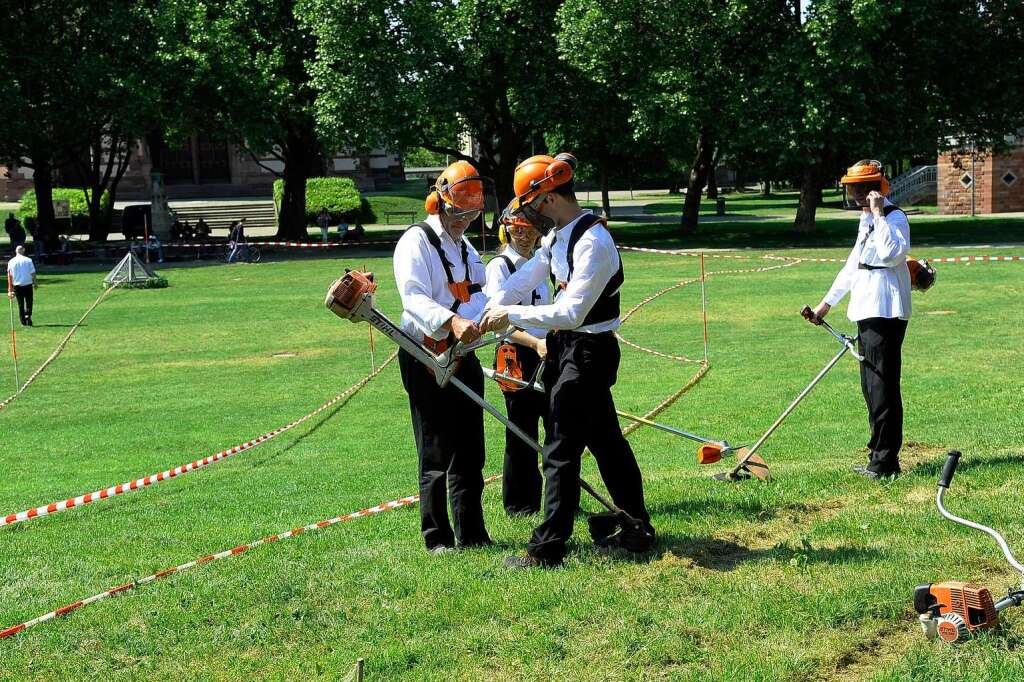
(878, 281)
(324, 221)
(440, 280)
(15, 231)
(21, 281)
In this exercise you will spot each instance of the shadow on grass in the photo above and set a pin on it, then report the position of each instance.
(932, 469)
(718, 554)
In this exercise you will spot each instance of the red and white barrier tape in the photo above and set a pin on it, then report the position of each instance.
(129, 486)
(294, 245)
(59, 349)
(65, 610)
(678, 252)
(942, 259)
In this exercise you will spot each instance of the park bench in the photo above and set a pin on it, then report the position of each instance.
(409, 215)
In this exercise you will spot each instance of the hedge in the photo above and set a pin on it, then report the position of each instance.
(75, 197)
(338, 195)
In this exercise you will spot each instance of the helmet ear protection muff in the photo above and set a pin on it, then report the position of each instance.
(502, 234)
(433, 202)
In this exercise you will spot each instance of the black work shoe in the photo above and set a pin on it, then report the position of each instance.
(868, 473)
(440, 549)
(522, 561)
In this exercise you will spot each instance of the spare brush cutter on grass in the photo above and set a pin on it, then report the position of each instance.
(952, 611)
(752, 464)
(709, 449)
(351, 297)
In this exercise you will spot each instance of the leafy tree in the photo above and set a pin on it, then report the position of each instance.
(248, 81)
(687, 68)
(477, 70)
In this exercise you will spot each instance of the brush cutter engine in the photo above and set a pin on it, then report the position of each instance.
(953, 611)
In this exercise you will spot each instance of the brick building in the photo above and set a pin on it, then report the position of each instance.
(995, 183)
(205, 167)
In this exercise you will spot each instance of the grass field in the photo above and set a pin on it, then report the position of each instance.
(808, 577)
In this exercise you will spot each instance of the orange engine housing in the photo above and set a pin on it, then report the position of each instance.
(971, 602)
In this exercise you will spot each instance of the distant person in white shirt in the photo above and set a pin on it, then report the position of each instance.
(878, 281)
(21, 280)
(440, 278)
(582, 351)
(521, 357)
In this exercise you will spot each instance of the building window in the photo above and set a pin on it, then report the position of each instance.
(1009, 178)
(966, 180)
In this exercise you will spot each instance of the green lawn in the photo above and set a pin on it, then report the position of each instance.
(808, 577)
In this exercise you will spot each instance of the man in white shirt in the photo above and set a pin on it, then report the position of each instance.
(21, 280)
(878, 281)
(582, 352)
(440, 278)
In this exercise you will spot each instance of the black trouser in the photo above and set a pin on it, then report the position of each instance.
(881, 343)
(521, 482)
(23, 293)
(449, 432)
(579, 372)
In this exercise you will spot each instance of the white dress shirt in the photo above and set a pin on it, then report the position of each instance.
(498, 272)
(882, 241)
(423, 285)
(595, 262)
(21, 269)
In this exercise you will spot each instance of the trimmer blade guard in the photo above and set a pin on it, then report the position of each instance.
(709, 453)
(755, 467)
(615, 529)
(349, 293)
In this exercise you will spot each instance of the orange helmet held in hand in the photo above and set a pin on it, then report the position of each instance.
(459, 190)
(866, 171)
(539, 175)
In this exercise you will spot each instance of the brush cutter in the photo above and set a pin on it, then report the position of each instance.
(752, 464)
(953, 611)
(352, 297)
(709, 451)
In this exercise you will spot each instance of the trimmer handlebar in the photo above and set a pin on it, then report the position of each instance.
(949, 468)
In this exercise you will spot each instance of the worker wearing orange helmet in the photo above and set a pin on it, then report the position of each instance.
(878, 280)
(578, 252)
(520, 358)
(440, 279)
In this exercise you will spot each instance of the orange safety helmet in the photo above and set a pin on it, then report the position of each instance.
(460, 188)
(539, 175)
(866, 170)
(509, 219)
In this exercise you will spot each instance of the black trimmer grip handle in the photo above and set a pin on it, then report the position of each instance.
(809, 315)
(949, 468)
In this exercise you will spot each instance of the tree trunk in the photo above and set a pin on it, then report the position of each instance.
(300, 153)
(698, 178)
(766, 188)
(810, 197)
(42, 182)
(606, 205)
(713, 176)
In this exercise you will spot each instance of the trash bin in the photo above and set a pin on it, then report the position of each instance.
(720, 206)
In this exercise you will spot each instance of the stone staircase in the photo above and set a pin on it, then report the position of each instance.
(916, 185)
(259, 213)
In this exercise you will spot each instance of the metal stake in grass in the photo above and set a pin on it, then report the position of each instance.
(704, 306)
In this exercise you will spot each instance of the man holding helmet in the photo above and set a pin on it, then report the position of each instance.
(878, 280)
(582, 359)
(440, 279)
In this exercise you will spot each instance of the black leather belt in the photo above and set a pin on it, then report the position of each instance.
(865, 266)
